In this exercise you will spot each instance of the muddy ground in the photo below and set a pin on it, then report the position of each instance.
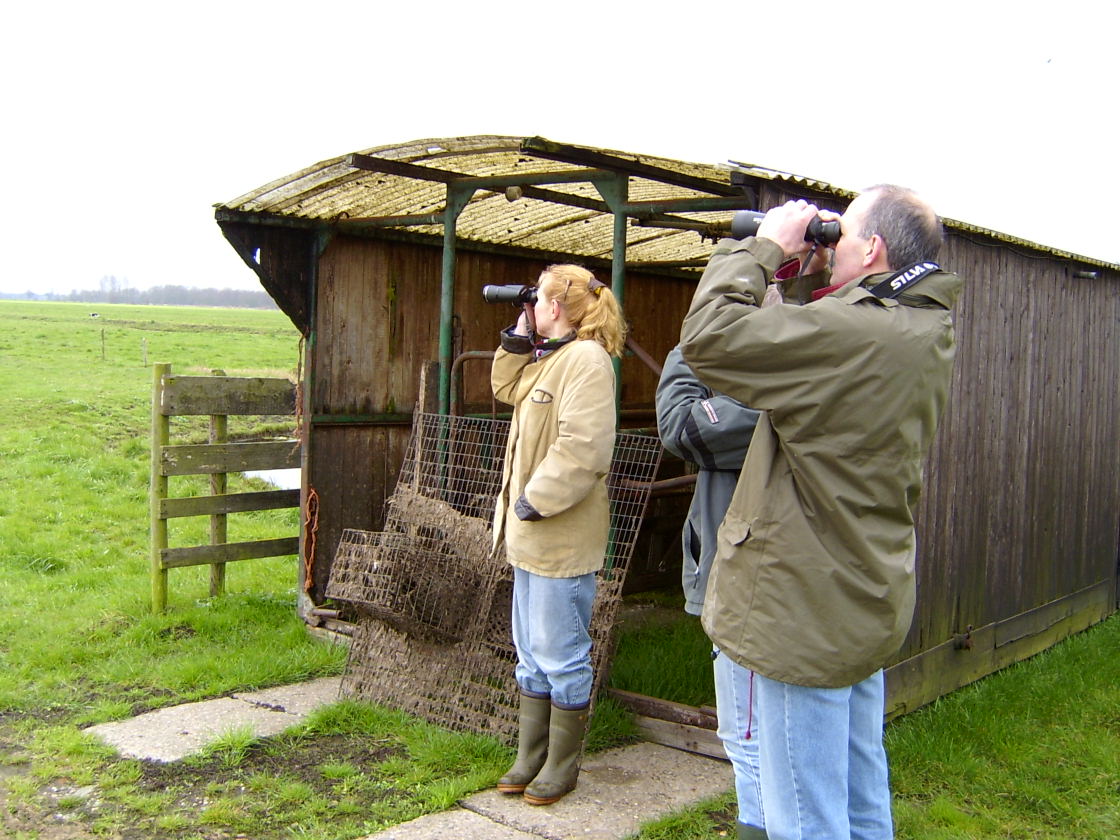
(63, 811)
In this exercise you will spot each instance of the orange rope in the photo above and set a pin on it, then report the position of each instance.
(310, 529)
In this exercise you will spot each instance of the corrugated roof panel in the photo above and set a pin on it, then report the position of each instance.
(333, 189)
(582, 234)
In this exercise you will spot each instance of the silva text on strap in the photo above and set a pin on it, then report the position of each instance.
(901, 280)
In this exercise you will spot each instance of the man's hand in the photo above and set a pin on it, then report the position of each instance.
(785, 225)
(822, 259)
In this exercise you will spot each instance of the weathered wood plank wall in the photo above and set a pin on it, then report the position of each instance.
(1023, 486)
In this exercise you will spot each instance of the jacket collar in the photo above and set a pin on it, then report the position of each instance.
(938, 290)
(544, 346)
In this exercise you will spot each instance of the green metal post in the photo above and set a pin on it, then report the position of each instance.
(457, 199)
(618, 286)
(618, 259)
(615, 192)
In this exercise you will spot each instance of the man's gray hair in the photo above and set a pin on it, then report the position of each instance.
(907, 225)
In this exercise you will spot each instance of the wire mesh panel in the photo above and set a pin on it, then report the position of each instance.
(433, 635)
(431, 573)
(633, 469)
(427, 583)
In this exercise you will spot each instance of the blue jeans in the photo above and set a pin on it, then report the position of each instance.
(551, 618)
(737, 710)
(824, 768)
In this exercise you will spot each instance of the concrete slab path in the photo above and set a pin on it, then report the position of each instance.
(618, 791)
(175, 732)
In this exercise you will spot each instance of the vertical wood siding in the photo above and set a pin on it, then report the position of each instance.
(1022, 491)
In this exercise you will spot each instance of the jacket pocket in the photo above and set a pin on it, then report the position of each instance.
(537, 418)
(734, 530)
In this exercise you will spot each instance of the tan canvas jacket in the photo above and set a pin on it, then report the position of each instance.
(558, 455)
(813, 580)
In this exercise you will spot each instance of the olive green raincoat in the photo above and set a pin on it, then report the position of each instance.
(813, 579)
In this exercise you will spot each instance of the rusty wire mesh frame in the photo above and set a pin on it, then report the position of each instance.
(433, 635)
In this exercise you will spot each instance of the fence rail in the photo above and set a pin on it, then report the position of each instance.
(218, 397)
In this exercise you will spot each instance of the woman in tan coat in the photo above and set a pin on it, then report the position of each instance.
(554, 367)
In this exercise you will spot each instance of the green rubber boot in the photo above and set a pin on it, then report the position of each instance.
(532, 743)
(749, 832)
(565, 748)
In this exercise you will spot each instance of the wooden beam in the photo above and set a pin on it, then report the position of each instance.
(975, 654)
(664, 709)
(681, 736)
(228, 503)
(227, 395)
(157, 490)
(542, 148)
(202, 555)
(203, 458)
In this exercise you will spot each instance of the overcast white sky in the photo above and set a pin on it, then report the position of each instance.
(124, 122)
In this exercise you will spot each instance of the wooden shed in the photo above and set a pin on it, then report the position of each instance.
(379, 259)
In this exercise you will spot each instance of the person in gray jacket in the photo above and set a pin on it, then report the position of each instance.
(713, 431)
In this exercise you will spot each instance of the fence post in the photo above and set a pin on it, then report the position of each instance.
(218, 486)
(157, 491)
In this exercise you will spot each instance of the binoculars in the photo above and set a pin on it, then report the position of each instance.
(514, 294)
(745, 223)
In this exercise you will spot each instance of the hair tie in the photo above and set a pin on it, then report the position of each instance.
(595, 286)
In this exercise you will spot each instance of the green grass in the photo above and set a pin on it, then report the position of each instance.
(1033, 751)
(663, 652)
(79, 641)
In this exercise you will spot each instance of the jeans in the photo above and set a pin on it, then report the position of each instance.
(737, 711)
(551, 618)
(824, 768)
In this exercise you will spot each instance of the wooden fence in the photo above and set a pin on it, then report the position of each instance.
(219, 397)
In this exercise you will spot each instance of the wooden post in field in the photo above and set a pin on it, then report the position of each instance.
(158, 489)
(218, 486)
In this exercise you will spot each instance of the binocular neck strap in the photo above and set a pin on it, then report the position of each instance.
(903, 279)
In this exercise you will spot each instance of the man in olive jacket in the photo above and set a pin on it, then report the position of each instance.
(812, 585)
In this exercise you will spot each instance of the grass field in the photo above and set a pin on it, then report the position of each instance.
(80, 644)
(1033, 752)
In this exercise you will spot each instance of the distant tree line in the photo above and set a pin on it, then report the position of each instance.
(113, 290)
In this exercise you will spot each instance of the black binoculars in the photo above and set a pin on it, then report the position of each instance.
(514, 294)
(745, 223)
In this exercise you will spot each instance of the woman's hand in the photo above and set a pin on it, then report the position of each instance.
(526, 323)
